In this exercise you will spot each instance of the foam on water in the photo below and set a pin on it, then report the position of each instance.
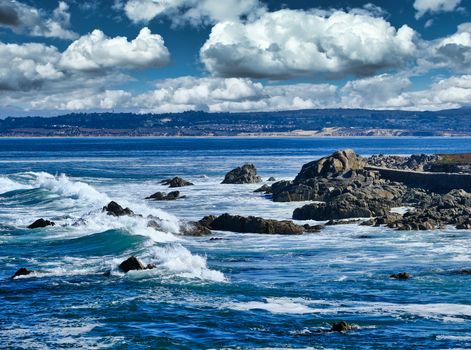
(441, 311)
(172, 260)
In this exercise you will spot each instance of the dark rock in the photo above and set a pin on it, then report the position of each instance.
(251, 224)
(247, 174)
(401, 276)
(115, 209)
(337, 164)
(212, 239)
(150, 266)
(195, 229)
(313, 229)
(162, 196)
(416, 162)
(176, 182)
(271, 179)
(342, 327)
(40, 223)
(22, 272)
(130, 264)
(264, 188)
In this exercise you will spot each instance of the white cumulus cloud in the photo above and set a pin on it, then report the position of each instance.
(27, 66)
(96, 51)
(434, 6)
(191, 11)
(452, 52)
(291, 43)
(25, 19)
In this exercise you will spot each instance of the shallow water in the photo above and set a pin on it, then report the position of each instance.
(244, 291)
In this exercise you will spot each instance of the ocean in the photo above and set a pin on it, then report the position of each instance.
(243, 291)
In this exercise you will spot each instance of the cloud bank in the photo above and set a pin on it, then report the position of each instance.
(287, 44)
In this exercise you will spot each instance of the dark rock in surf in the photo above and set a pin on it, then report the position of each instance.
(22, 272)
(342, 327)
(195, 229)
(271, 179)
(131, 264)
(162, 196)
(264, 188)
(246, 174)
(176, 182)
(251, 224)
(401, 276)
(115, 209)
(40, 223)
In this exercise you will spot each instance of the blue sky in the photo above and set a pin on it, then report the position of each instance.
(233, 55)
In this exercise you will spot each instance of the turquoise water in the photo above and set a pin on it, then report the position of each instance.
(244, 291)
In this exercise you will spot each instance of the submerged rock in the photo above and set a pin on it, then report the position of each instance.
(342, 326)
(162, 196)
(176, 182)
(115, 209)
(252, 224)
(247, 174)
(22, 272)
(40, 223)
(401, 276)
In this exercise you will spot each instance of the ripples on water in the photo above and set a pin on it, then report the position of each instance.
(243, 291)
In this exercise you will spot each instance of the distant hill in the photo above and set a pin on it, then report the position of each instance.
(320, 122)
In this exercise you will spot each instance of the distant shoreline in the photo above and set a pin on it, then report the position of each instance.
(244, 137)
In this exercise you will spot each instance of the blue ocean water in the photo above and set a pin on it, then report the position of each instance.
(244, 291)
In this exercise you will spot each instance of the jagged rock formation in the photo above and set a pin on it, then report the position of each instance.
(115, 209)
(246, 174)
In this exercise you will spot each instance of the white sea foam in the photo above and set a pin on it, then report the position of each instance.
(63, 186)
(273, 305)
(7, 185)
(177, 260)
(441, 311)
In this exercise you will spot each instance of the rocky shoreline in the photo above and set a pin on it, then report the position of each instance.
(343, 190)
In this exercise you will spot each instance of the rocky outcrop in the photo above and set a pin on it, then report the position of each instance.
(354, 203)
(195, 229)
(271, 179)
(432, 211)
(246, 174)
(265, 188)
(115, 209)
(162, 196)
(416, 162)
(176, 182)
(40, 223)
(334, 165)
(134, 264)
(21, 272)
(251, 224)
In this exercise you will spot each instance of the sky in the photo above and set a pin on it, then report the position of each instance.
(160, 56)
